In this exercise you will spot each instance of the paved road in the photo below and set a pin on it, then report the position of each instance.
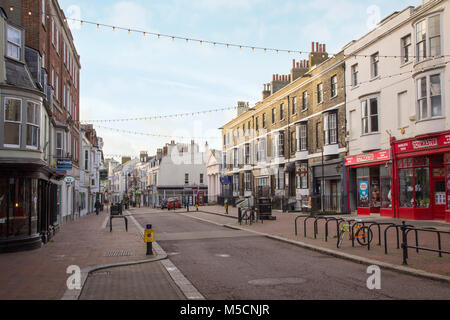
(223, 263)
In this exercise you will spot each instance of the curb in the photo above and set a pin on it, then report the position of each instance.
(219, 214)
(345, 256)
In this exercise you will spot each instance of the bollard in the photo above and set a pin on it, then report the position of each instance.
(404, 243)
(149, 238)
(196, 206)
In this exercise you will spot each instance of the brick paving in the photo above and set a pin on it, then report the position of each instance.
(41, 274)
(148, 281)
(284, 227)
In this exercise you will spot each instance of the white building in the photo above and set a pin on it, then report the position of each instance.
(214, 172)
(397, 83)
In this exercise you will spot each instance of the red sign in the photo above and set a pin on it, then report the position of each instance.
(423, 144)
(368, 157)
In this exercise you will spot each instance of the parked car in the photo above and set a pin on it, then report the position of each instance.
(164, 204)
(173, 203)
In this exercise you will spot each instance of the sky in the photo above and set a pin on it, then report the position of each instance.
(128, 75)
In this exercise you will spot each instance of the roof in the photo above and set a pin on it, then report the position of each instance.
(17, 75)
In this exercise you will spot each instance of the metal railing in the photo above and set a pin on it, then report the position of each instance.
(407, 228)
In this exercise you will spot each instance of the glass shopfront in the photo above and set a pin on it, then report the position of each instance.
(447, 182)
(374, 192)
(422, 187)
(19, 203)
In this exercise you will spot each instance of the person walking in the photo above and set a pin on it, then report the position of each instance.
(97, 207)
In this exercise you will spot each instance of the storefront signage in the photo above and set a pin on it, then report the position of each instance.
(440, 141)
(69, 179)
(64, 164)
(369, 157)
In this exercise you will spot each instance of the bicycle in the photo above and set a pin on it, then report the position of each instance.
(248, 216)
(361, 233)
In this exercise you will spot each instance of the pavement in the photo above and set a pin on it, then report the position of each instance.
(87, 243)
(283, 228)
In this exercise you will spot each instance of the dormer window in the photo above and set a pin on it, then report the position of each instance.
(14, 40)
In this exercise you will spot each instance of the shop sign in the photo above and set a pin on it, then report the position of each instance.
(440, 141)
(64, 164)
(69, 179)
(369, 157)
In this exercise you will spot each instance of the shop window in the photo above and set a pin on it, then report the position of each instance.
(414, 182)
(406, 188)
(385, 183)
(374, 187)
(422, 187)
(447, 181)
(362, 175)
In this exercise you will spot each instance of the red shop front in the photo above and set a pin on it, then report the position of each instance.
(422, 177)
(369, 183)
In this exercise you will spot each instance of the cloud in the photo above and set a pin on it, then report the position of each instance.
(130, 14)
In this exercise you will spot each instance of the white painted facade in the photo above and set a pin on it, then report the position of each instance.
(214, 171)
(396, 87)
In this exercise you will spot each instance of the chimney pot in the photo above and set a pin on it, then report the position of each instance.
(312, 46)
(317, 47)
(293, 63)
(324, 48)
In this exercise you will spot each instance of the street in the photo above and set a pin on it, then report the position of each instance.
(223, 263)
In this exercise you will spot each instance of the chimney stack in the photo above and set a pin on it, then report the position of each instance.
(317, 56)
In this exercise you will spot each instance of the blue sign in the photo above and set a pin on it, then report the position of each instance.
(225, 180)
(64, 164)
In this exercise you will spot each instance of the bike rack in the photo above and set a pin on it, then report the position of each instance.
(296, 218)
(304, 223)
(406, 229)
(389, 224)
(353, 227)
(337, 226)
(316, 231)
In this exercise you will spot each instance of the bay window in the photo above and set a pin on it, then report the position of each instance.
(369, 115)
(429, 98)
(12, 122)
(33, 119)
(14, 43)
(428, 37)
(59, 144)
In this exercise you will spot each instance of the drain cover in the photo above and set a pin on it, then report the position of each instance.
(276, 281)
(118, 253)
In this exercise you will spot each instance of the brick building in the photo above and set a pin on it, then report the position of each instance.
(292, 143)
(48, 33)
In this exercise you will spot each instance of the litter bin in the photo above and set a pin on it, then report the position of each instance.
(264, 206)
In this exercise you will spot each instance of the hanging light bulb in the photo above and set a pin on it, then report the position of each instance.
(201, 42)
(143, 34)
(173, 38)
(98, 26)
(29, 13)
(129, 31)
(114, 28)
(11, 9)
(159, 36)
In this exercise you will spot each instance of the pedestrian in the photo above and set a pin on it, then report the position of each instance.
(97, 207)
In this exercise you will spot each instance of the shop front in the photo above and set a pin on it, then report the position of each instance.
(370, 183)
(422, 177)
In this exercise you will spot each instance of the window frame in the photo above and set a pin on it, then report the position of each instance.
(281, 112)
(320, 93)
(37, 126)
(427, 41)
(354, 74)
(305, 100)
(405, 49)
(329, 129)
(369, 115)
(428, 98)
(374, 65)
(294, 106)
(19, 122)
(12, 43)
(334, 86)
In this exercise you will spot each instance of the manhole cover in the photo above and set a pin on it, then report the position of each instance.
(118, 253)
(276, 281)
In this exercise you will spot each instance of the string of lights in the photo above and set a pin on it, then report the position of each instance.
(155, 135)
(273, 101)
(131, 30)
(177, 115)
